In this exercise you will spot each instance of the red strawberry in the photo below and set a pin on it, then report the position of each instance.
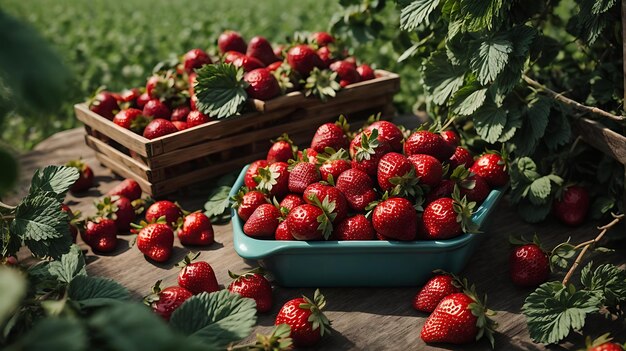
(195, 58)
(279, 51)
(308, 154)
(105, 104)
(263, 221)
(444, 189)
(151, 84)
(367, 150)
(131, 119)
(261, 49)
(447, 217)
(608, 346)
(158, 128)
(346, 73)
(230, 40)
(231, 56)
(326, 56)
(156, 109)
(291, 201)
(350, 59)
(572, 206)
(303, 59)
(366, 72)
(330, 194)
(262, 84)
(100, 234)
(247, 63)
(128, 188)
(333, 164)
(180, 125)
(308, 323)
(274, 179)
(395, 172)
(281, 151)
(196, 230)
(427, 168)
(282, 232)
(117, 208)
(196, 277)
(451, 138)
(529, 265)
(492, 167)
(304, 223)
(395, 218)
(355, 228)
(474, 188)
(331, 135)
(302, 175)
(142, 100)
(246, 203)
(438, 287)
(429, 143)
(85, 176)
(156, 241)
(272, 67)
(196, 118)
(458, 319)
(322, 38)
(357, 187)
(602, 343)
(253, 285)
(461, 156)
(164, 208)
(388, 132)
(165, 302)
(252, 172)
(73, 218)
(180, 113)
(129, 95)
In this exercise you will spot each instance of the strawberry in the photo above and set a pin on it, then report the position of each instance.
(151, 84)
(164, 208)
(262, 84)
(326, 56)
(156, 241)
(331, 135)
(461, 156)
(158, 128)
(459, 318)
(261, 49)
(388, 132)
(396, 219)
(129, 96)
(427, 168)
(346, 73)
(196, 277)
(572, 206)
(142, 100)
(395, 172)
(263, 221)
(291, 201)
(365, 72)
(230, 40)
(272, 67)
(180, 113)
(329, 194)
(253, 285)
(308, 222)
(322, 38)
(282, 150)
(180, 125)
(472, 186)
(492, 167)
(333, 164)
(247, 202)
(308, 154)
(438, 287)
(117, 208)
(429, 143)
(302, 175)
(279, 51)
(355, 228)
(85, 176)
(602, 343)
(308, 323)
(231, 56)
(444, 189)
(156, 109)
(303, 59)
(357, 187)
(105, 104)
(367, 150)
(196, 230)
(252, 172)
(350, 59)
(131, 119)
(247, 63)
(529, 265)
(196, 118)
(165, 302)
(73, 219)
(282, 232)
(100, 234)
(447, 217)
(451, 138)
(274, 179)
(195, 58)
(128, 188)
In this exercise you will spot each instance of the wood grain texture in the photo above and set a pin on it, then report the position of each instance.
(363, 318)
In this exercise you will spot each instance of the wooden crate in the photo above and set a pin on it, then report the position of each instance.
(165, 164)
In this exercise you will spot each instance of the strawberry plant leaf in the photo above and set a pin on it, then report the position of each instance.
(54, 179)
(70, 266)
(607, 281)
(91, 292)
(416, 12)
(218, 202)
(468, 99)
(533, 213)
(441, 78)
(540, 190)
(480, 14)
(215, 319)
(221, 90)
(55, 334)
(491, 57)
(490, 121)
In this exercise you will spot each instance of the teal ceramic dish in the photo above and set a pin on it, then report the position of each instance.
(359, 263)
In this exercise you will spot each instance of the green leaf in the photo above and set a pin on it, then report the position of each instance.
(469, 98)
(540, 191)
(527, 168)
(215, 319)
(220, 89)
(558, 129)
(607, 281)
(513, 122)
(534, 126)
(489, 121)
(552, 311)
(491, 58)
(13, 286)
(479, 15)
(219, 202)
(54, 334)
(441, 78)
(415, 13)
(533, 213)
(71, 265)
(602, 205)
(601, 6)
(96, 291)
(55, 179)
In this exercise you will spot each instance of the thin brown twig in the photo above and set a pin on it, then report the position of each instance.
(603, 229)
(572, 103)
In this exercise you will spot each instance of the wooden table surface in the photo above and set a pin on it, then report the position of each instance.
(363, 318)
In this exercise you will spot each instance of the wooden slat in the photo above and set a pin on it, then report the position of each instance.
(602, 138)
(289, 100)
(122, 171)
(119, 157)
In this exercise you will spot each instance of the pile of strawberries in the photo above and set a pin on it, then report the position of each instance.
(167, 103)
(378, 183)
